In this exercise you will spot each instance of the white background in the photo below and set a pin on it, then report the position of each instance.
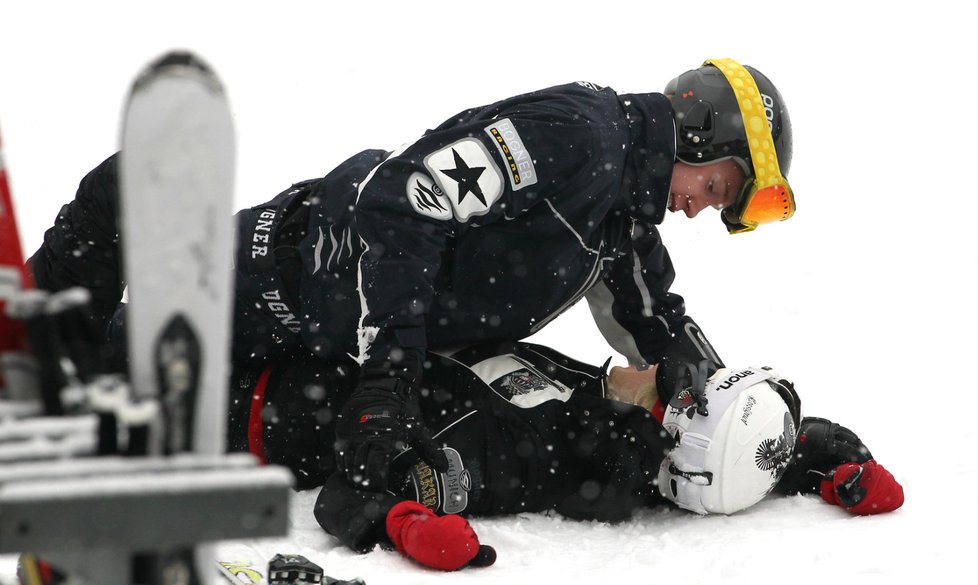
(865, 297)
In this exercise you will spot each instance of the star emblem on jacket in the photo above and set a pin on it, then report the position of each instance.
(467, 178)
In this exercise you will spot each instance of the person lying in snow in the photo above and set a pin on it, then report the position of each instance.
(527, 429)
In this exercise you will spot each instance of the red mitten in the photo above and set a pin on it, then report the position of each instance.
(441, 542)
(862, 489)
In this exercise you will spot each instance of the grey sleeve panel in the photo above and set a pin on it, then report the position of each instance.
(600, 300)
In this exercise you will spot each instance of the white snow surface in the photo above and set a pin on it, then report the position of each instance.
(865, 298)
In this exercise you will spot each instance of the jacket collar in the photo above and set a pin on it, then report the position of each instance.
(648, 166)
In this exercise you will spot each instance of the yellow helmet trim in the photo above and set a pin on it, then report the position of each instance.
(779, 205)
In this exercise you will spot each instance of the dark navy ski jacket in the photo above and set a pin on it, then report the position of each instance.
(525, 429)
(486, 228)
(493, 224)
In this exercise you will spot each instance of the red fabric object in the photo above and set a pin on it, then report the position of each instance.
(862, 489)
(658, 410)
(256, 442)
(446, 543)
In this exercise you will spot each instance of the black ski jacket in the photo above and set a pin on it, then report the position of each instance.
(488, 227)
(525, 429)
(485, 228)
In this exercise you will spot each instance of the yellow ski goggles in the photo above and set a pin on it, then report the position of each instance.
(766, 197)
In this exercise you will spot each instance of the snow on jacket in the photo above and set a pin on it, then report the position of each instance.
(487, 227)
(525, 429)
(491, 225)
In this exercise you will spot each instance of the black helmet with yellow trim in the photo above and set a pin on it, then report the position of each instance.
(726, 110)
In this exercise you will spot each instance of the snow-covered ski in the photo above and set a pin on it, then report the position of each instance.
(176, 181)
(176, 177)
(146, 506)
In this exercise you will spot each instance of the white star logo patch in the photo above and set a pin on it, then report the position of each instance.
(468, 176)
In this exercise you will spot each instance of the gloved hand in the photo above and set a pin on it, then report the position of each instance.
(687, 362)
(862, 489)
(380, 419)
(822, 446)
(447, 542)
(687, 383)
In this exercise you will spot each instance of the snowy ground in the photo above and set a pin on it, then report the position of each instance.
(865, 298)
(790, 536)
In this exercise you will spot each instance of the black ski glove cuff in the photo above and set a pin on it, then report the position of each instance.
(686, 363)
(381, 418)
(822, 445)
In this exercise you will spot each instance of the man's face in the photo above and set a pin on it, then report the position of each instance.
(694, 188)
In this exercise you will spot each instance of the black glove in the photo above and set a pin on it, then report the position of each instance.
(381, 419)
(685, 382)
(822, 445)
(686, 364)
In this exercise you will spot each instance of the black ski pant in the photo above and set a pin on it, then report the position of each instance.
(82, 248)
(301, 393)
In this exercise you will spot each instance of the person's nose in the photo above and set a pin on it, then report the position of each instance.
(696, 204)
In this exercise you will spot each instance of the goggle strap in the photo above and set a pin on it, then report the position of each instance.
(764, 156)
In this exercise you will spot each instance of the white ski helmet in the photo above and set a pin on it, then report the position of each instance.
(731, 458)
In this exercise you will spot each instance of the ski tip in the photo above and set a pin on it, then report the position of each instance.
(177, 61)
(181, 59)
